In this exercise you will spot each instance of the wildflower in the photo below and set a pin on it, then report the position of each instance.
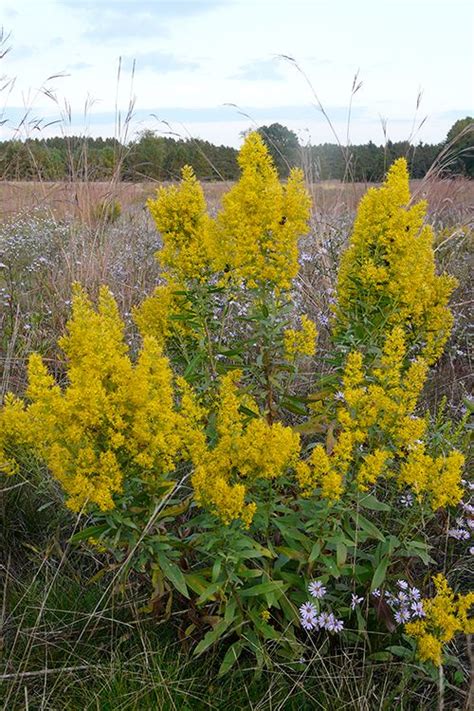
(377, 592)
(402, 615)
(417, 609)
(414, 593)
(406, 500)
(317, 589)
(300, 342)
(355, 600)
(254, 239)
(402, 584)
(309, 616)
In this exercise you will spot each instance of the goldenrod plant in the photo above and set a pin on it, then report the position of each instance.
(282, 512)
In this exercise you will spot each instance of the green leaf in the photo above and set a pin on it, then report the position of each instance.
(263, 589)
(315, 551)
(372, 503)
(291, 553)
(196, 582)
(192, 366)
(379, 574)
(341, 554)
(330, 566)
(209, 592)
(173, 573)
(380, 656)
(211, 637)
(231, 656)
(365, 525)
(400, 651)
(89, 532)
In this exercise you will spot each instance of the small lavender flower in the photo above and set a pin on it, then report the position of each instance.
(307, 624)
(460, 534)
(415, 593)
(307, 610)
(401, 598)
(308, 616)
(376, 592)
(402, 615)
(316, 589)
(356, 601)
(402, 584)
(338, 626)
(324, 620)
(339, 395)
(417, 609)
(471, 550)
(406, 500)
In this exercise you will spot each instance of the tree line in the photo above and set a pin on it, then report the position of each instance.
(160, 158)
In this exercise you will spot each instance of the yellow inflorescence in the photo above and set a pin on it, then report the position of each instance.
(376, 412)
(186, 229)
(244, 452)
(300, 342)
(389, 266)
(253, 240)
(113, 417)
(446, 614)
(261, 221)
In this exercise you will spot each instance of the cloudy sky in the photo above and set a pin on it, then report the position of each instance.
(214, 68)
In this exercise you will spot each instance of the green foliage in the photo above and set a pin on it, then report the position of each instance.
(283, 147)
(461, 138)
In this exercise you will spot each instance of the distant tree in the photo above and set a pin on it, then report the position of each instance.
(283, 146)
(461, 136)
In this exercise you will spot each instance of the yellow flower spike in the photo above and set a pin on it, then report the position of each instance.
(390, 261)
(246, 451)
(180, 215)
(111, 416)
(261, 221)
(446, 614)
(300, 342)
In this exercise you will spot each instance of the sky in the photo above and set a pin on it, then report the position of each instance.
(215, 68)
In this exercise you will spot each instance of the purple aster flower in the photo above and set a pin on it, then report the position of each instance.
(317, 589)
(402, 584)
(417, 609)
(401, 598)
(308, 610)
(338, 626)
(415, 593)
(376, 592)
(307, 624)
(406, 500)
(356, 601)
(471, 550)
(324, 619)
(402, 615)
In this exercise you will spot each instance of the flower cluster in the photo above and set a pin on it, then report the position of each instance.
(446, 614)
(388, 275)
(246, 450)
(253, 241)
(464, 528)
(380, 432)
(186, 229)
(112, 418)
(301, 341)
(310, 616)
(261, 221)
(406, 603)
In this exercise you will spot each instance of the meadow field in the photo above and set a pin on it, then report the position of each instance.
(128, 608)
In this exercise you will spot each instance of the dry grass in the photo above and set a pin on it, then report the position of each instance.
(77, 199)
